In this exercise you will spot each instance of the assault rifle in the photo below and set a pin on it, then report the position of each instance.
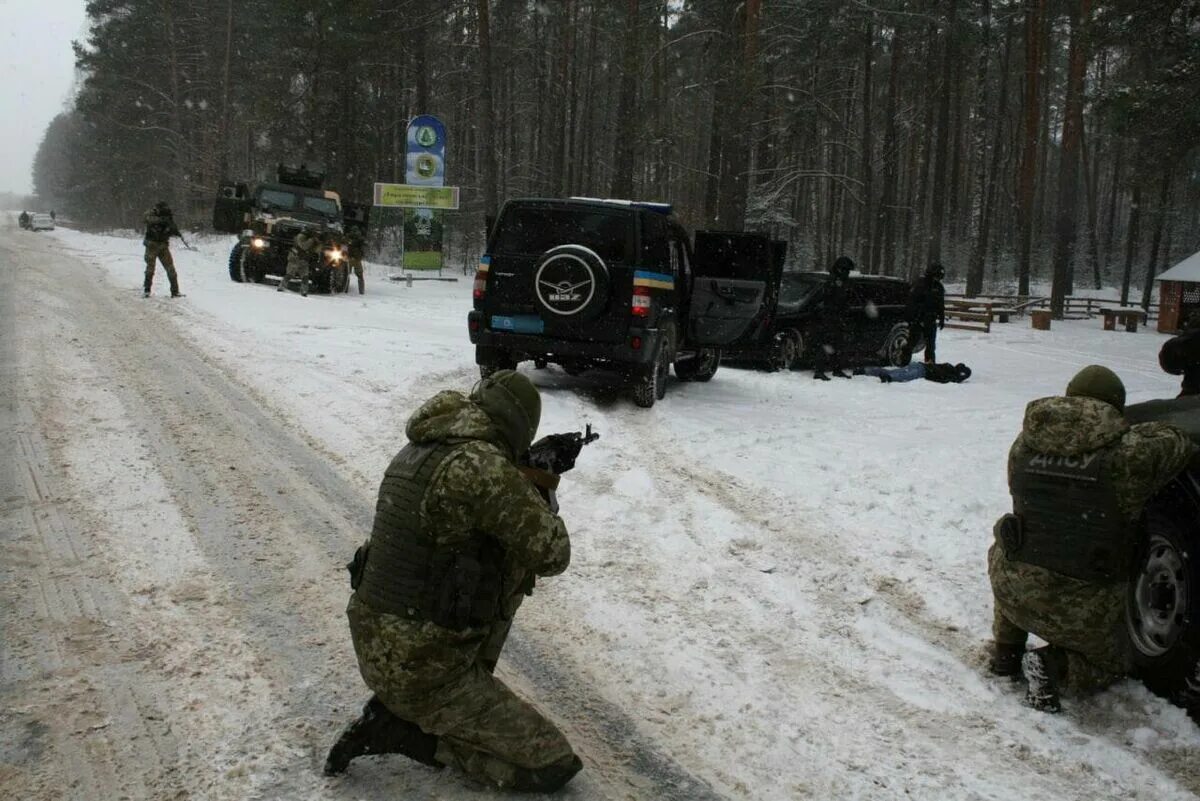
(553, 455)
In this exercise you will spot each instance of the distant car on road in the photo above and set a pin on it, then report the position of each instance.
(876, 327)
(41, 222)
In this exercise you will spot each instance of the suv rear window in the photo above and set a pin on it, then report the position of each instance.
(532, 231)
(795, 290)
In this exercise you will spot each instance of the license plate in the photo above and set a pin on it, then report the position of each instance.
(523, 324)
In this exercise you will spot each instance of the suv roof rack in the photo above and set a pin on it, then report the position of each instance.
(661, 208)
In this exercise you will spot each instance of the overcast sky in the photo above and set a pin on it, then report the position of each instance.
(37, 71)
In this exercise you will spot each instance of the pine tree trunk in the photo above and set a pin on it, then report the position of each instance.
(1164, 199)
(989, 178)
(865, 168)
(1066, 229)
(626, 151)
(487, 137)
(1034, 12)
(949, 56)
(883, 258)
(1131, 239)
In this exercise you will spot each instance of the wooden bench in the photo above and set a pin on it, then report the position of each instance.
(1125, 315)
(970, 315)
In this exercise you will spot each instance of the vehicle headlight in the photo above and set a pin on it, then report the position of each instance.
(258, 243)
(335, 255)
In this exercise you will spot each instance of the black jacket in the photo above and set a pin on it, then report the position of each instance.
(927, 303)
(1181, 356)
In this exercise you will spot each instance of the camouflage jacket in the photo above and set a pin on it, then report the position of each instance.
(1145, 457)
(306, 244)
(159, 227)
(478, 489)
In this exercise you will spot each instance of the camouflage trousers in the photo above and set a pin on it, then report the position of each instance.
(156, 252)
(442, 681)
(298, 268)
(1085, 620)
(355, 263)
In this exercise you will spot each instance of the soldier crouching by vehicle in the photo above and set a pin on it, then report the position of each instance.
(1079, 475)
(459, 536)
(160, 227)
(306, 249)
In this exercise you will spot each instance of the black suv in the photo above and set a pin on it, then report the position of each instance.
(875, 329)
(609, 284)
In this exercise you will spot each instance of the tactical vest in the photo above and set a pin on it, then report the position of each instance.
(1068, 517)
(159, 227)
(402, 571)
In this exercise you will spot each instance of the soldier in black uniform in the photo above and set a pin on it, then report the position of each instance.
(927, 308)
(354, 253)
(832, 320)
(1180, 355)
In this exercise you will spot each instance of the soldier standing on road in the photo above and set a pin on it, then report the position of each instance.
(927, 308)
(160, 227)
(832, 321)
(306, 248)
(459, 536)
(354, 253)
(1061, 572)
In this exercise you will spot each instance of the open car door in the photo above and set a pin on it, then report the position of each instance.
(735, 285)
(356, 215)
(229, 212)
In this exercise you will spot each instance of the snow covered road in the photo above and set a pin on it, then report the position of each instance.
(778, 587)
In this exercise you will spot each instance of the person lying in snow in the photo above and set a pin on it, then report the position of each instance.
(942, 373)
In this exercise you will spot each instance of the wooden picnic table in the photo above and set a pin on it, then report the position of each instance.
(1129, 316)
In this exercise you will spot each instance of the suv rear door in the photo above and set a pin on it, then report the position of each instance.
(524, 296)
(735, 280)
(229, 211)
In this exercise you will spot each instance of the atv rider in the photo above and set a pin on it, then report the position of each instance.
(459, 536)
(1079, 475)
(160, 227)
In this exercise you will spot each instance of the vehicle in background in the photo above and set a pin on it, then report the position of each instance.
(41, 222)
(875, 331)
(267, 216)
(613, 285)
(1162, 610)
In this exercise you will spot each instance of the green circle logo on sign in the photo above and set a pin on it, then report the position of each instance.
(426, 136)
(426, 165)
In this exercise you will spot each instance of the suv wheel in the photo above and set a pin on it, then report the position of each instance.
(1161, 606)
(899, 347)
(651, 385)
(570, 282)
(785, 351)
(699, 366)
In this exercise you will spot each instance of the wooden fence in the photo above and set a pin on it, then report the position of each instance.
(1074, 308)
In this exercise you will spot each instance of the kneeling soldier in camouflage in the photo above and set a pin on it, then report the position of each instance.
(1079, 475)
(306, 249)
(459, 536)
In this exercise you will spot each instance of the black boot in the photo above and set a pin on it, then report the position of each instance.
(840, 373)
(1043, 671)
(378, 731)
(820, 376)
(1006, 659)
(547, 779)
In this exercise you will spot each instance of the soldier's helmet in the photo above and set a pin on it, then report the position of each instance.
(514, 405)
(1095, 381)
(935, 271)
(842, 266)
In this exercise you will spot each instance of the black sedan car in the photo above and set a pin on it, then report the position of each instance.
(875, 331)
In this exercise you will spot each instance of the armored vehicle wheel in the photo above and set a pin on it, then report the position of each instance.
(1163, 605)
(651, 385)
(235, 263)
(339, 281)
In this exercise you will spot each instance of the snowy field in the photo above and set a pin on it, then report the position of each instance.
(778, 587)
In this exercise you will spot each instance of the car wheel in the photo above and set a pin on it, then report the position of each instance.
(570, 282)
(235, 264)
(699, 366)
(785, 351)
(651, 385)
(1162, 605)
(899, 348)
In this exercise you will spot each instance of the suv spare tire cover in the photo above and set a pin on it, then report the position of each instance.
(570, 282)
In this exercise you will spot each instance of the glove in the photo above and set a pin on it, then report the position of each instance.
(941, 325)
